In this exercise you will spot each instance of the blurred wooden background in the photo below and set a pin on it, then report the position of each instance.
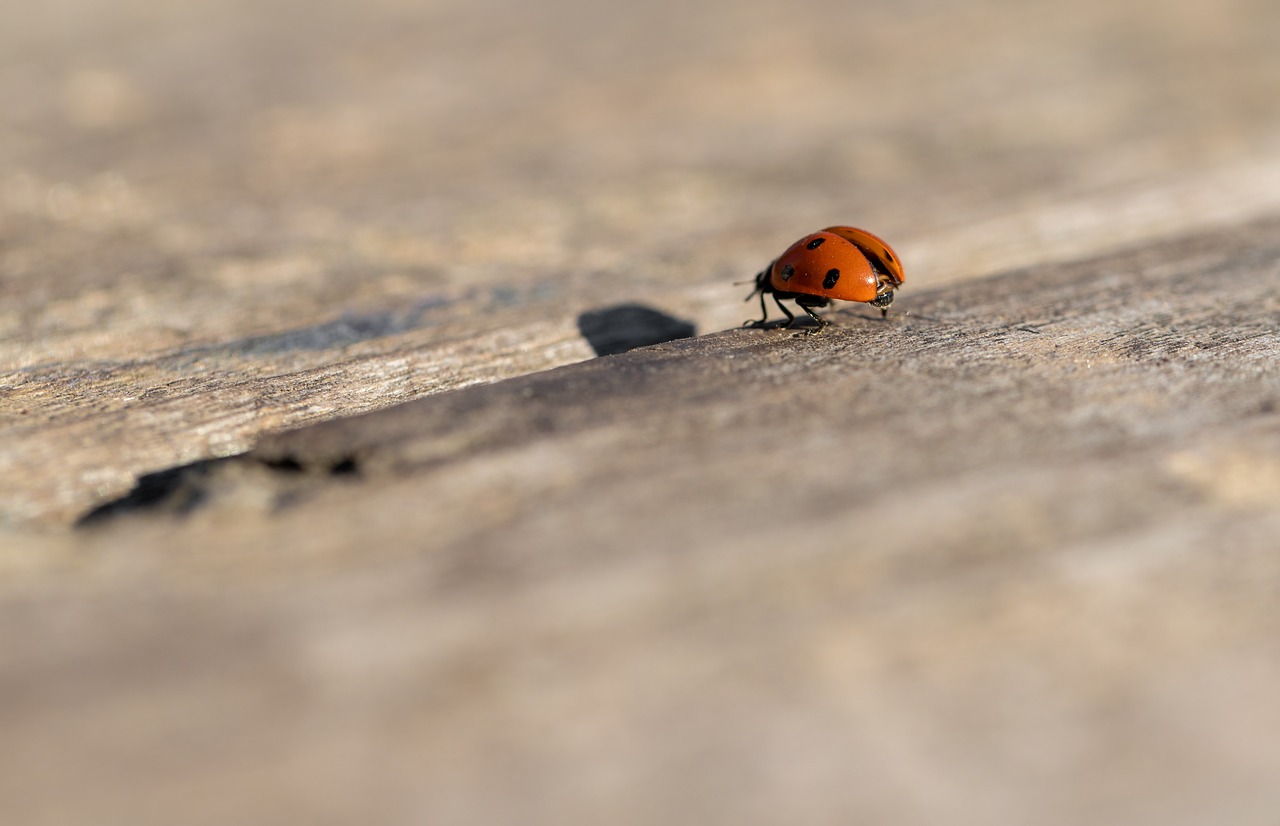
(1010, 557)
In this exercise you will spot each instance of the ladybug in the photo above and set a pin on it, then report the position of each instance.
(837, 263)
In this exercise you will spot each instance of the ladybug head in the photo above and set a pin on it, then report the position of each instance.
(763, 284)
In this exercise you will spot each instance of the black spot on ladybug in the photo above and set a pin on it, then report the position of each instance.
(815, 243)
(830, 281)
(787, 272)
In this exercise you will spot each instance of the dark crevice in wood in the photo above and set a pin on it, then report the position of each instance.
(181, 490)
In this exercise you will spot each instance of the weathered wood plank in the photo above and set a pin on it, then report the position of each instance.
(194, 254)
(1008, 557)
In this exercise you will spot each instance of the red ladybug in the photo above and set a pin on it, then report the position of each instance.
(837, 263)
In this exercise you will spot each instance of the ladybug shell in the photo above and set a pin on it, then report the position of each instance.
(844, 263)
(881, 255)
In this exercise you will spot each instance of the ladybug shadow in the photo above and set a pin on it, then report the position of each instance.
(781, 324)
(804, 324)
(625, 327)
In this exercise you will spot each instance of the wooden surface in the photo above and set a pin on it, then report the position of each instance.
(1007, 557)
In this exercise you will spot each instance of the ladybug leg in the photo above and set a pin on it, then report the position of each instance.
(764, 315)
(762, 286)
(807, 304)
(822, 322)
(790, 316)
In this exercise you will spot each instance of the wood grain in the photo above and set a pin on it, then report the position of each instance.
(1009, 555)
(380, 204)
(323, 285)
